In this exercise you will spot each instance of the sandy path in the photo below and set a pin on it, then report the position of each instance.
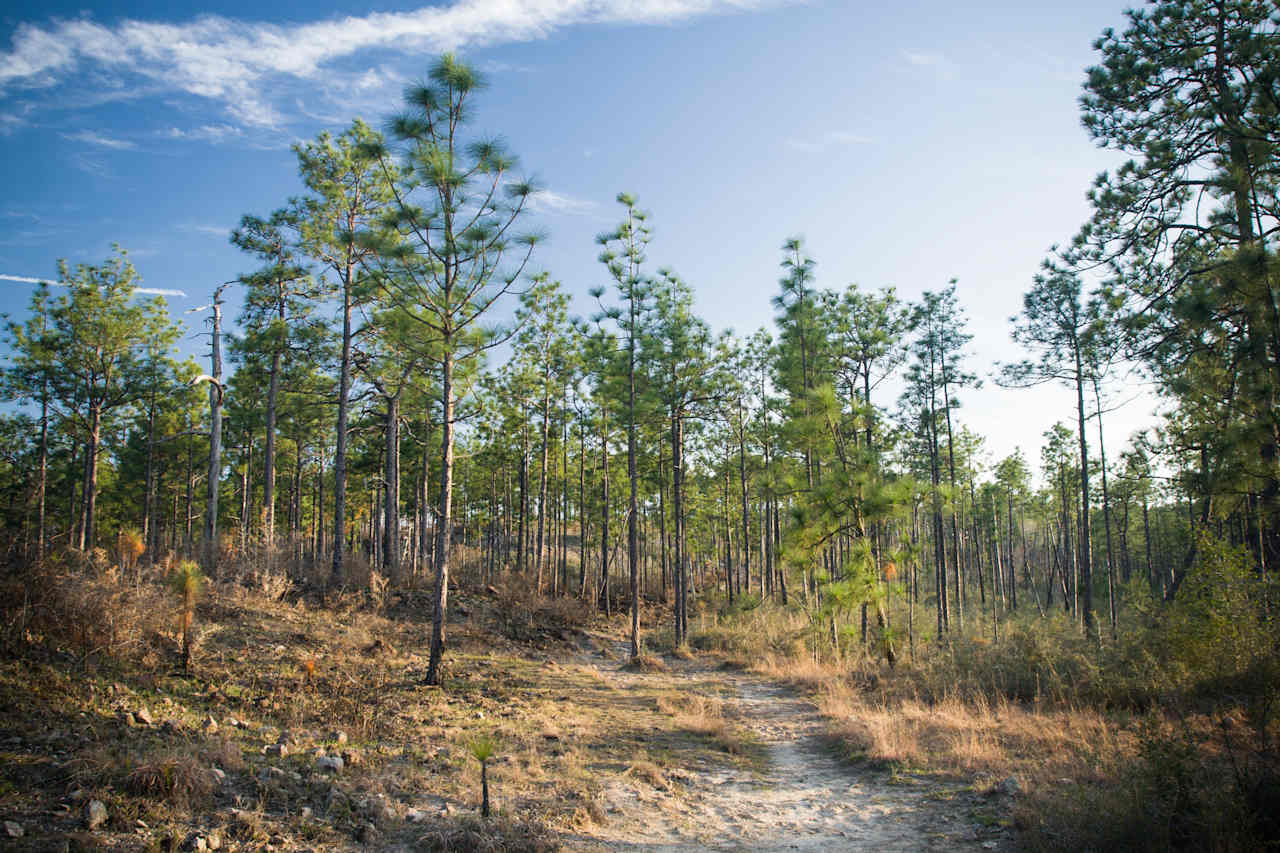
(804, 799)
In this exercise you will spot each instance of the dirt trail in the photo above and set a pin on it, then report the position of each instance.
(803, 798)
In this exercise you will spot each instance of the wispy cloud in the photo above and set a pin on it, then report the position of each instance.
(212, 230)
(546, 201)
(91, 138)
(923, 58)
(235, 62)
(493, 66)
(831, 139)
(91, 166)
(150, 291)
(204, 133)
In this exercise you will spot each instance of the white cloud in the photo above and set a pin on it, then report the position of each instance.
(831, 139)
(922, 58)
(213, 230)
(206, 133)
(151, 291)
(546, 201)
(91, 138)
(234, 61)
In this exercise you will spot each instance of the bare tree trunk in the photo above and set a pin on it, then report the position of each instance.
(215, 442)
(337, 575)
(391, 473)
(444, 517)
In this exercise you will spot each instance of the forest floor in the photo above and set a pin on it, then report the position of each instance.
(307, 727)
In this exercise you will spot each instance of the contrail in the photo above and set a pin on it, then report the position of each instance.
(151, 291)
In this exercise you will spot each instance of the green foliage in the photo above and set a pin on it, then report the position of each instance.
(483, 747)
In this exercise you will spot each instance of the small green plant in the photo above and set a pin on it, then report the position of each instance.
(482, 749)
(186, 581)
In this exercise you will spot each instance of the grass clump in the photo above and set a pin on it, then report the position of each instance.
(177, 777)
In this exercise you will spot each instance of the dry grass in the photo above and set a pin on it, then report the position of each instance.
(178, 777)
(704, 716)
(645, 662)
(648, 772)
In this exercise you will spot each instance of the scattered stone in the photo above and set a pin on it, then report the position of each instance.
(210, 726)
(144, 716)
(339, 737)
(387, 812)
(219, 775)
(350, 757)
(276, 750)
(234, 723)
(331, 763)
(1009, 786)
(287, 738)
(446, 810)
(305, 813)
(95, 814)
(141, 824)
(173, 726)
(269, 773)
(415, 816)
(366, 833)
(214, 839)
(195, 841)
(13, 829)
(128, 719)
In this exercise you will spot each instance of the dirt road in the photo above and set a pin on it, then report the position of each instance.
(800, 796)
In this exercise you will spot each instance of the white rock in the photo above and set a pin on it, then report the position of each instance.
(95, 814)
(13, 829)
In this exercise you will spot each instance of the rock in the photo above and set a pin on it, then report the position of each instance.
(13, 829)
(1009, 786)
(234, 723)
(350, 757)
(214, 839)
(415, 816)
(339, 737)
(305, 813)
(219, 776)
(990, 845)
(95, 814)
(210, 726)
(446, 810)
(276, 750)
(128, 719)
(144, 716)
(332, 763)
(366, 833)
(173, 726)
(387, 812)
(267, 774)
(287, 738)
(195, 841)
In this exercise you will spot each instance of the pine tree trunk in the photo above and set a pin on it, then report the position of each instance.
(444, 517)
(391, 473)
(337, 576)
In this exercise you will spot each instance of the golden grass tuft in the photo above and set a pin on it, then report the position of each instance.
(648, 772)
(174, 776)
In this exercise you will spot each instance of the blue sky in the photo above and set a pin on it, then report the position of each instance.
(908, 142)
